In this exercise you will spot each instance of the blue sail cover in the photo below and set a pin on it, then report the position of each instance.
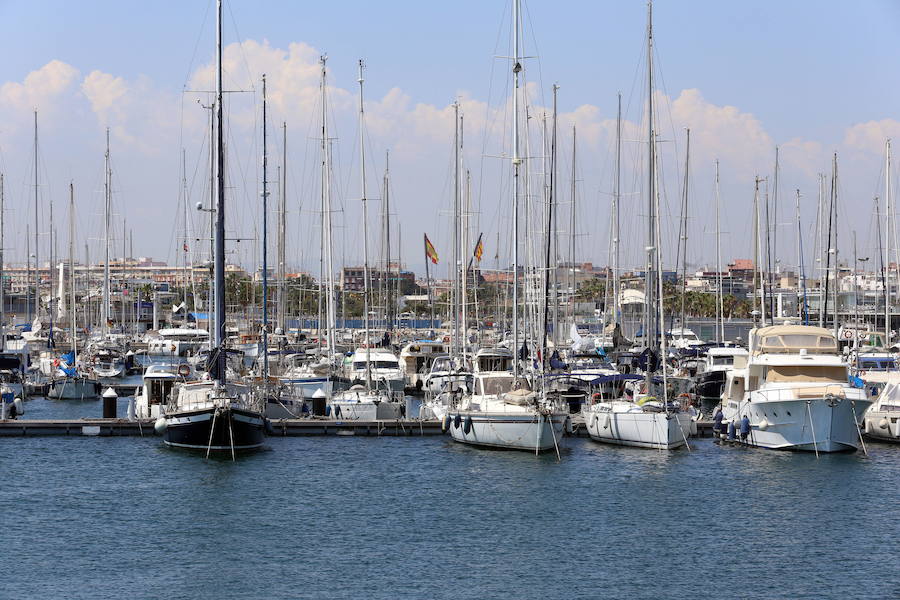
(68, 358)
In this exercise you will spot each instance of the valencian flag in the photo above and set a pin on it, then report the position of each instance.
(479, 249)
(430, 252)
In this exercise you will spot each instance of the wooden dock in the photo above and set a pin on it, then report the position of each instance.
(280, 428)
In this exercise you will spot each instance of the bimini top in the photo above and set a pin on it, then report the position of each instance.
(791, 339)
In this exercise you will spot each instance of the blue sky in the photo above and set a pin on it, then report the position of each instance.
(802, 71)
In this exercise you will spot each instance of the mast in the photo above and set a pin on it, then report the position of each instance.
(37, 252)
(823, 250)
(386, 242)
(757, 297)
(219, 258)
(72, 266)
(834, 208)
(684, 235)
(804, 313)
(549, 240)
(327, 268)
(650, 334)
(455, 259)
(105, 308)
(554, 257)
(571, 303)
(720, 316)
(362, 180)
(887, 242)
(517, 162)
(881, 268)
(773, 249)
(282, 234)
(617, 196)
(265, 240)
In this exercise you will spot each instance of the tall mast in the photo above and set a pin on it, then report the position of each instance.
(72, 266)
(554, 253)
(326, 221)
(454, 258)
(834, 208)
(37, 252)
(720, 317)
(804, 310)
(362, 181)
(823, 252)
(517, 162)
(758, 300)
(887, 242)
(773, 250)
(571, 286)
(265, 228)
(650, 334)
(107, 190)
(617, 196)
(282, 233)
(684, 231)
(219, 259)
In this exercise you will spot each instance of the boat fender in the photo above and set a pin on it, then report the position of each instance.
(467, 426)
(731, 431)
(456, 421)
(763, 425)
(445, 423)
(19, 406)
(883, 423)
(867, 426)
(337, 410)
(270, 430)
(160, 426)
(606, 421)
(184, 369)
(328, 411)
(594, 422)
(569, 428)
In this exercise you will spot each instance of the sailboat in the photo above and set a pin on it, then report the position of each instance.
(215, 415)
(365, 401)
(646, 419)
(503, 410)
(67, 382)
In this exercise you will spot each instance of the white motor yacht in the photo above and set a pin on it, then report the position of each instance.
(178, 342)
(795, 392)
(882, 420)
(379, 364)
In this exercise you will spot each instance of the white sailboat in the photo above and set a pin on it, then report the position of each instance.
(369, 401)
(647, 419)
(503, 410)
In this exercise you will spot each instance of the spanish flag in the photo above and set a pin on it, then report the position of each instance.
(430, 252)
(479, 249)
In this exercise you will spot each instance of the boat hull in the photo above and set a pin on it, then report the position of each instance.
(215, 429)
(74, 389)
(656, 430)
(531, 432)
(883, 425)
(813, 425)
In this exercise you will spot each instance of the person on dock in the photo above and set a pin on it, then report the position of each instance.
(717, 423)
(745, 429)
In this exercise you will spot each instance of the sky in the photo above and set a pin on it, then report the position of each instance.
(813, 78)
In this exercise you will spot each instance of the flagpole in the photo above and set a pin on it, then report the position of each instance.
(428, 283)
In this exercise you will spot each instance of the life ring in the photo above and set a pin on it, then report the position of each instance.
(184, 370)
(847, 334)
(56, 362)
(596, 395)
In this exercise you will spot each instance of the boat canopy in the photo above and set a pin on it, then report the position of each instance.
(791, 339)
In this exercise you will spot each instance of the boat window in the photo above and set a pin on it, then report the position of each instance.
(807, 374)
(881, 363)
(376, 364)
(496, 385)
(723, 360)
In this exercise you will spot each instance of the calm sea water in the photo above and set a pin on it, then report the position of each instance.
(354, 517)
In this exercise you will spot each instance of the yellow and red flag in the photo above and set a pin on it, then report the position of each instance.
(430, 252)
(479, 249)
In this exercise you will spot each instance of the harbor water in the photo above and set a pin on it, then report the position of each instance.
(370, 517)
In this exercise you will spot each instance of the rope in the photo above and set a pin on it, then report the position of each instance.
(812, 427)
(858, 432)
(231, 434)
(212, 428)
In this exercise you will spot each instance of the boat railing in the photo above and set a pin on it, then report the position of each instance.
(801, 394)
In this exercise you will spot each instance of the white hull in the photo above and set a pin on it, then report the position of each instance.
(527, 431)
(883, 425)
(640, 429)
(819, 425)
